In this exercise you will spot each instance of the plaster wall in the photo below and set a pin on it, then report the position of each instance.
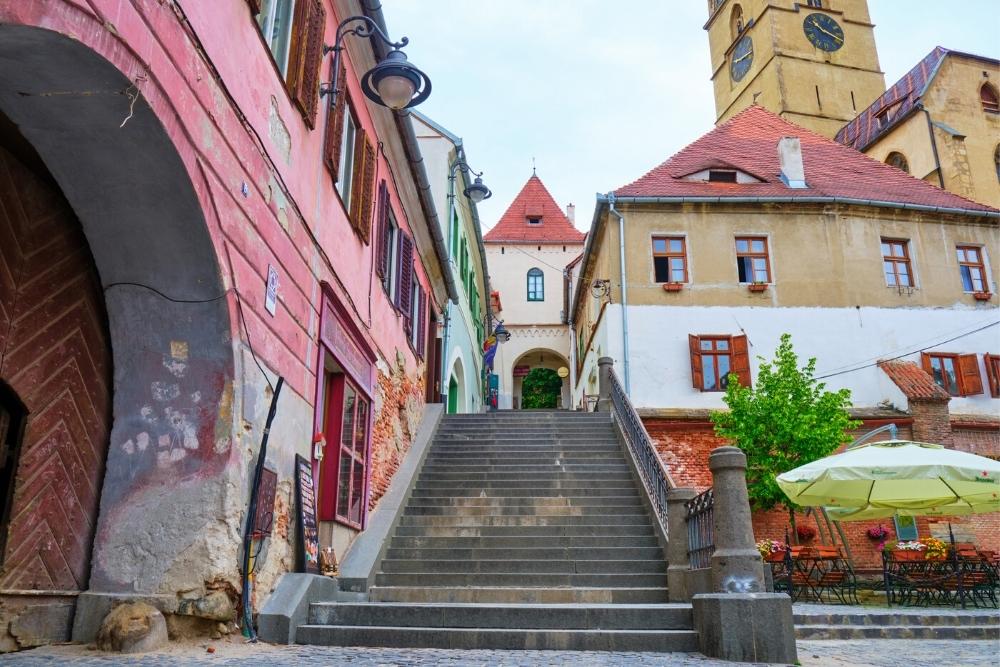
(509, 265)
(525, 339)
(911, 138)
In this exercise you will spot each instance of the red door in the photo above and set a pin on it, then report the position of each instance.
(344, 470)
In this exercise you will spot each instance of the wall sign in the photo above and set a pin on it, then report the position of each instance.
(340, 341)
(263, 519)
(307, 551)
(271, 292)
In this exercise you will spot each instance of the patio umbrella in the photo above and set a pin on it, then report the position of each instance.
(898, 476)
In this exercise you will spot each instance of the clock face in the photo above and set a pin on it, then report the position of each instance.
(823, 32)
(742, 58)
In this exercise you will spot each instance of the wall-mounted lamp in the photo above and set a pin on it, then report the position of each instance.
(501, 332)
(478, 191)
(393, 83)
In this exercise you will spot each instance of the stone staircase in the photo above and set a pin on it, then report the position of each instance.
(525, 530)
(832, 622)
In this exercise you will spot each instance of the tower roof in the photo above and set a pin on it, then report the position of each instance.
(534, 203)
(748, 143)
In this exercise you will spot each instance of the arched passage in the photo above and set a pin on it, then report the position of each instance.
(457, 388)
(171, 390)
(537, 358)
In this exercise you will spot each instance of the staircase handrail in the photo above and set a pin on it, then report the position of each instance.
(655, 477)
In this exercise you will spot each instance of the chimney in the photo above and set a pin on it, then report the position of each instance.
(571, 213)
(793, 174)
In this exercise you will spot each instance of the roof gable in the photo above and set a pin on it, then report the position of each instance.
(749, 143)
(534, 203)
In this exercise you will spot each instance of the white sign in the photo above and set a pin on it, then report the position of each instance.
(271, 295)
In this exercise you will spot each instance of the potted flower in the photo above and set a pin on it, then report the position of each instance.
(806, 533)
(934, 549)
(982, 296)
(772, 551)
(757, 286)
(907, 551)
(877, 533)
(673, 287)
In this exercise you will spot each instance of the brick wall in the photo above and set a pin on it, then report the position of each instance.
(684, 448)
(931, 421)
(979, 441)
(398, 407)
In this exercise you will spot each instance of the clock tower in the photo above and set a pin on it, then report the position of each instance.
(812, 62)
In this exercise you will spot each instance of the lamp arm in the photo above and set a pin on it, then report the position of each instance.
(367, 28)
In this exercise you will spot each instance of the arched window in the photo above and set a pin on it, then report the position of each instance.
(898, 160)
(736, 21)
(536, 285)
(988, 96)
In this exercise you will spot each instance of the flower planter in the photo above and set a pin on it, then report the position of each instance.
(908, 555)
(757, 287)
(673, 287)
(775, 557)
(982, 296)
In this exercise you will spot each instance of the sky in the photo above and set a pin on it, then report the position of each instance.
(596, 93)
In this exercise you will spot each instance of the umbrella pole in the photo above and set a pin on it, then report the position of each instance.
(956, 565)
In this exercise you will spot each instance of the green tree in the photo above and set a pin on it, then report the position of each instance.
(541, 388)
(788, 419)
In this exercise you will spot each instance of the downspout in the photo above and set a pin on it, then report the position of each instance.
(934, 148)
(621, 261)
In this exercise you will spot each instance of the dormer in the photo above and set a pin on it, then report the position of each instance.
(722, 174)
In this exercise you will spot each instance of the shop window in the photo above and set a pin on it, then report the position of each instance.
(669, 259)
(715, 359)
(536, 285)
(988, 96)
(972, 269)
(898, 160)
(957, 374)
(351, 437)
(896, 261)
(992, 363)
(753, 263)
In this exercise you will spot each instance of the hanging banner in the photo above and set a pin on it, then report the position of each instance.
(307, 533)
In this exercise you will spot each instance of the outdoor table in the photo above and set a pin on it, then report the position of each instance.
(966, 576)
(810, 571)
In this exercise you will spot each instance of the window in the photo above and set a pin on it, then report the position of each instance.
(345, 168)
(898, 160)
(996, 161)
(957, 374)
(721, 176)
(391, 250)
(534, 221)
(896, 260)
(275, 21)
(736, 21)
(715, 359)
(988, 96)
(992, 363)
(669, 259)
(752, 263)
(536, 285)
(971, 268)
(351, 473)
(815, 3)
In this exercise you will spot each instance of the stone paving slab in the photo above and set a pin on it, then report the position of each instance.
(880, 653)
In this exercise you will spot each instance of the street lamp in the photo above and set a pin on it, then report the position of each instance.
(393, 83)
(501, 333)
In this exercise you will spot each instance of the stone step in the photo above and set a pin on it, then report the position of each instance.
(534, 485)
(547, 476)
(512, 639)
(527, 595)
(547, 520)
(526, 501)
(519, 579)
(476, 616)
(527, 438)
(540, 542)
(480, 458)
(597, 512)
(906, 616)
(623, 490)
(483, 452)
(535, 553)
(514, 566)
(602, 531)
(897, 632)
(514, 468)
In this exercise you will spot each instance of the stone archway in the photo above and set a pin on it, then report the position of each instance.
(165, 481)
(538, 358)
(457, 399)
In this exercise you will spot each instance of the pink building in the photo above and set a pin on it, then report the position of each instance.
(160, 164)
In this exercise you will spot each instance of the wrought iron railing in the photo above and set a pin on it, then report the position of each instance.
(651, 469)
(700, 519)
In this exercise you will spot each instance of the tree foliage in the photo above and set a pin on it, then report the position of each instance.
(786, 420)
(542, 388)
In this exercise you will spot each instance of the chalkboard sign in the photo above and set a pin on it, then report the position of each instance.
(306, 531)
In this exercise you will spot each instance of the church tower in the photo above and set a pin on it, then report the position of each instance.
(813, 62)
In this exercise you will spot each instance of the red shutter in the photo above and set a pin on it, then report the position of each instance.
(741, 360)
(333, 143)
(697, 377)
(422, 324)
(363, 223)
(971, 380)
(925, 363)
(404, 274)
(382, 248)
(306, 57)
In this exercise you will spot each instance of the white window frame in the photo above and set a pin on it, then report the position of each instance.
(345, 171)
(392, 260)
(269, 13)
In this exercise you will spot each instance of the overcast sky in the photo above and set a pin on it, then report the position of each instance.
(598, 92)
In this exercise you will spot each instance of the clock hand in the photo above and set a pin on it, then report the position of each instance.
(821, 28)
(743, 57)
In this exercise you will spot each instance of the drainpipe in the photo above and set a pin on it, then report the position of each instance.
(621, 248)
(445, 378)
(934, 148)
(572, 364)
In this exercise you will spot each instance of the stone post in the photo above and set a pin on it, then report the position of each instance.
(739, 622)
(604, 365)
(678, 562)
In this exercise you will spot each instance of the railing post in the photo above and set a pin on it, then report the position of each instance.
(736, 563)
(604, 365)
(678, 562)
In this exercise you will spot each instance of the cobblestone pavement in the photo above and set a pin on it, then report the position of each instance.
(877, 653)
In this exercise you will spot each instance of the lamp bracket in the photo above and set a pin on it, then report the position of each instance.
(365, 28)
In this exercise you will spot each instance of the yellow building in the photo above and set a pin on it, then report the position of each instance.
(813, 63)
(940, 122)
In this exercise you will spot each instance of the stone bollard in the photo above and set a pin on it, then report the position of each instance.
(678, 562)
(739, 621)
(604, 365)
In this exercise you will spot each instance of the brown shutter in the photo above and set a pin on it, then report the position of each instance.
(925, 363)
(404, 274)
(697, 377)
(306, 57)
(990, 361)
(422, 324)
(357, 187)
(364, 220)
(382, 248)
(741, 360)
(971, 381)
(254, 6)
(333, 143)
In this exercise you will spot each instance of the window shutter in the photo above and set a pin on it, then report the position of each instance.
(410, 309)
(422, 324)
(925, 363)
(991, 363)
(741, 360)
(694, 344)
(335, 126)
(254, 6)
(357, 187)
(363, 223)
(405, 274)
(306, 56)
(382, 249)
(972, 382)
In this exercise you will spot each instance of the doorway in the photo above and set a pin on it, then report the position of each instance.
(343, 476)
(12, 418)
(452, 395)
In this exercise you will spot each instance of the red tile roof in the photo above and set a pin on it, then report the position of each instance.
(899, 101)
(749, 142)
(912, 380)
(534, 201)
